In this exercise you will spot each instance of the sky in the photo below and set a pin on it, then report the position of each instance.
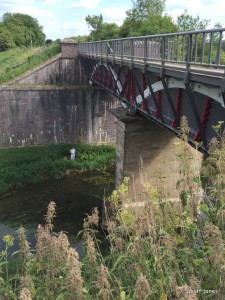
(65, 18)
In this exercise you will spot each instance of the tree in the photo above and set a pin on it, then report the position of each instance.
(6, 39)
(142, 9)
(24, 29)
(186, 22)
(110, 31)
(101, 30)
(95, 23)
(158, 25)
(146, 17)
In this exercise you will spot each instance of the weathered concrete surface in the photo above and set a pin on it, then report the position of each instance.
(39, 116)
(54, 104)
(146, 153)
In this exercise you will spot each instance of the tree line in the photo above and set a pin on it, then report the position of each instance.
(146, 17)
(20, 30)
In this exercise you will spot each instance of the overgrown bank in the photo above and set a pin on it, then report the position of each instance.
(15, 62)
(165, 252)
(27, 165)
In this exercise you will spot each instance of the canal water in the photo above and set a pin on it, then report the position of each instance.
(75, 196)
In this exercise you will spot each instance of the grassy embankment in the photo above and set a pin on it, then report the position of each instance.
(15, 62)
(161, 253)
(27, 165)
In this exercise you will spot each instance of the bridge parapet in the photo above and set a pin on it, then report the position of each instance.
(164, 77)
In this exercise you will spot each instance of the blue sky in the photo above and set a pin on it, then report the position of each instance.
(65, 18)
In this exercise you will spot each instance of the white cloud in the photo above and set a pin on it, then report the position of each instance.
(114, 14)
(206, 9)
(85, 4)
(51, 1)
(33, 11)
(65, 30)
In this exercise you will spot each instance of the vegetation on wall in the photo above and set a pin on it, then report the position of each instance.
(16, 61)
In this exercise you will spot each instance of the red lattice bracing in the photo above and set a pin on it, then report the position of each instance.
(178, 107)
(144, 105)
(204, 119)
(159, 105)
(128, 88)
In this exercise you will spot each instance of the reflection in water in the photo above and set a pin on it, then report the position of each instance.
(74, 199)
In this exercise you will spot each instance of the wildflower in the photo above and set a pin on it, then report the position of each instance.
(185, 293)
(25, 294)
(214, 238)
(8, 240)
(119, 243)
(103, 284)
(142, 288)
(184, 128)
(25, 253)
(50, 215)
(74, 280)
(93, 219)
(90, 245)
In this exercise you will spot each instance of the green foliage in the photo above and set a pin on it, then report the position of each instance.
(186, 22)
(101, 30)
(22, 166)
(6, 39)
(146, 18)
(15, 62)
(25, 30)
(143, 9)
(164, 251)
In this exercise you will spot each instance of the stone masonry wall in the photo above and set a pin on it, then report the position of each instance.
(146, 154)
(53, 103)
(55, 116)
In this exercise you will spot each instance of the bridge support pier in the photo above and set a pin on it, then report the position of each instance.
(146, 153)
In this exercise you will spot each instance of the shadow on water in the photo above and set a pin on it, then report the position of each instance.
(74, 197)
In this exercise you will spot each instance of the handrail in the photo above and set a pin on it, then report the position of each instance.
(201, 48)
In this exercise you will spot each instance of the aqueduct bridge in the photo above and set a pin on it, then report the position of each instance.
(162, 78)
(158, 78)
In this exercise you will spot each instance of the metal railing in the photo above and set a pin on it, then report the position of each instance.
(204, 48)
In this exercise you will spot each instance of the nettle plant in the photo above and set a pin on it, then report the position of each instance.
(165, 251)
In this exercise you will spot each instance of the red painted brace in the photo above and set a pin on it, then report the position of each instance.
(178, 107)
(204, 120)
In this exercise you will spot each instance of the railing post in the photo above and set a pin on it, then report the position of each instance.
(145, 50)
(163, 51)
(219, 49)
(132, 52)
(121, 51)
(101, 50)
(189, 49)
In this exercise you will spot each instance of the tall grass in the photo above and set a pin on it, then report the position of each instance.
(15, 62)
(26, 165)
(164, 252)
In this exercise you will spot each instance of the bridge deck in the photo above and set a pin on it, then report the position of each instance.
(165, 76)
